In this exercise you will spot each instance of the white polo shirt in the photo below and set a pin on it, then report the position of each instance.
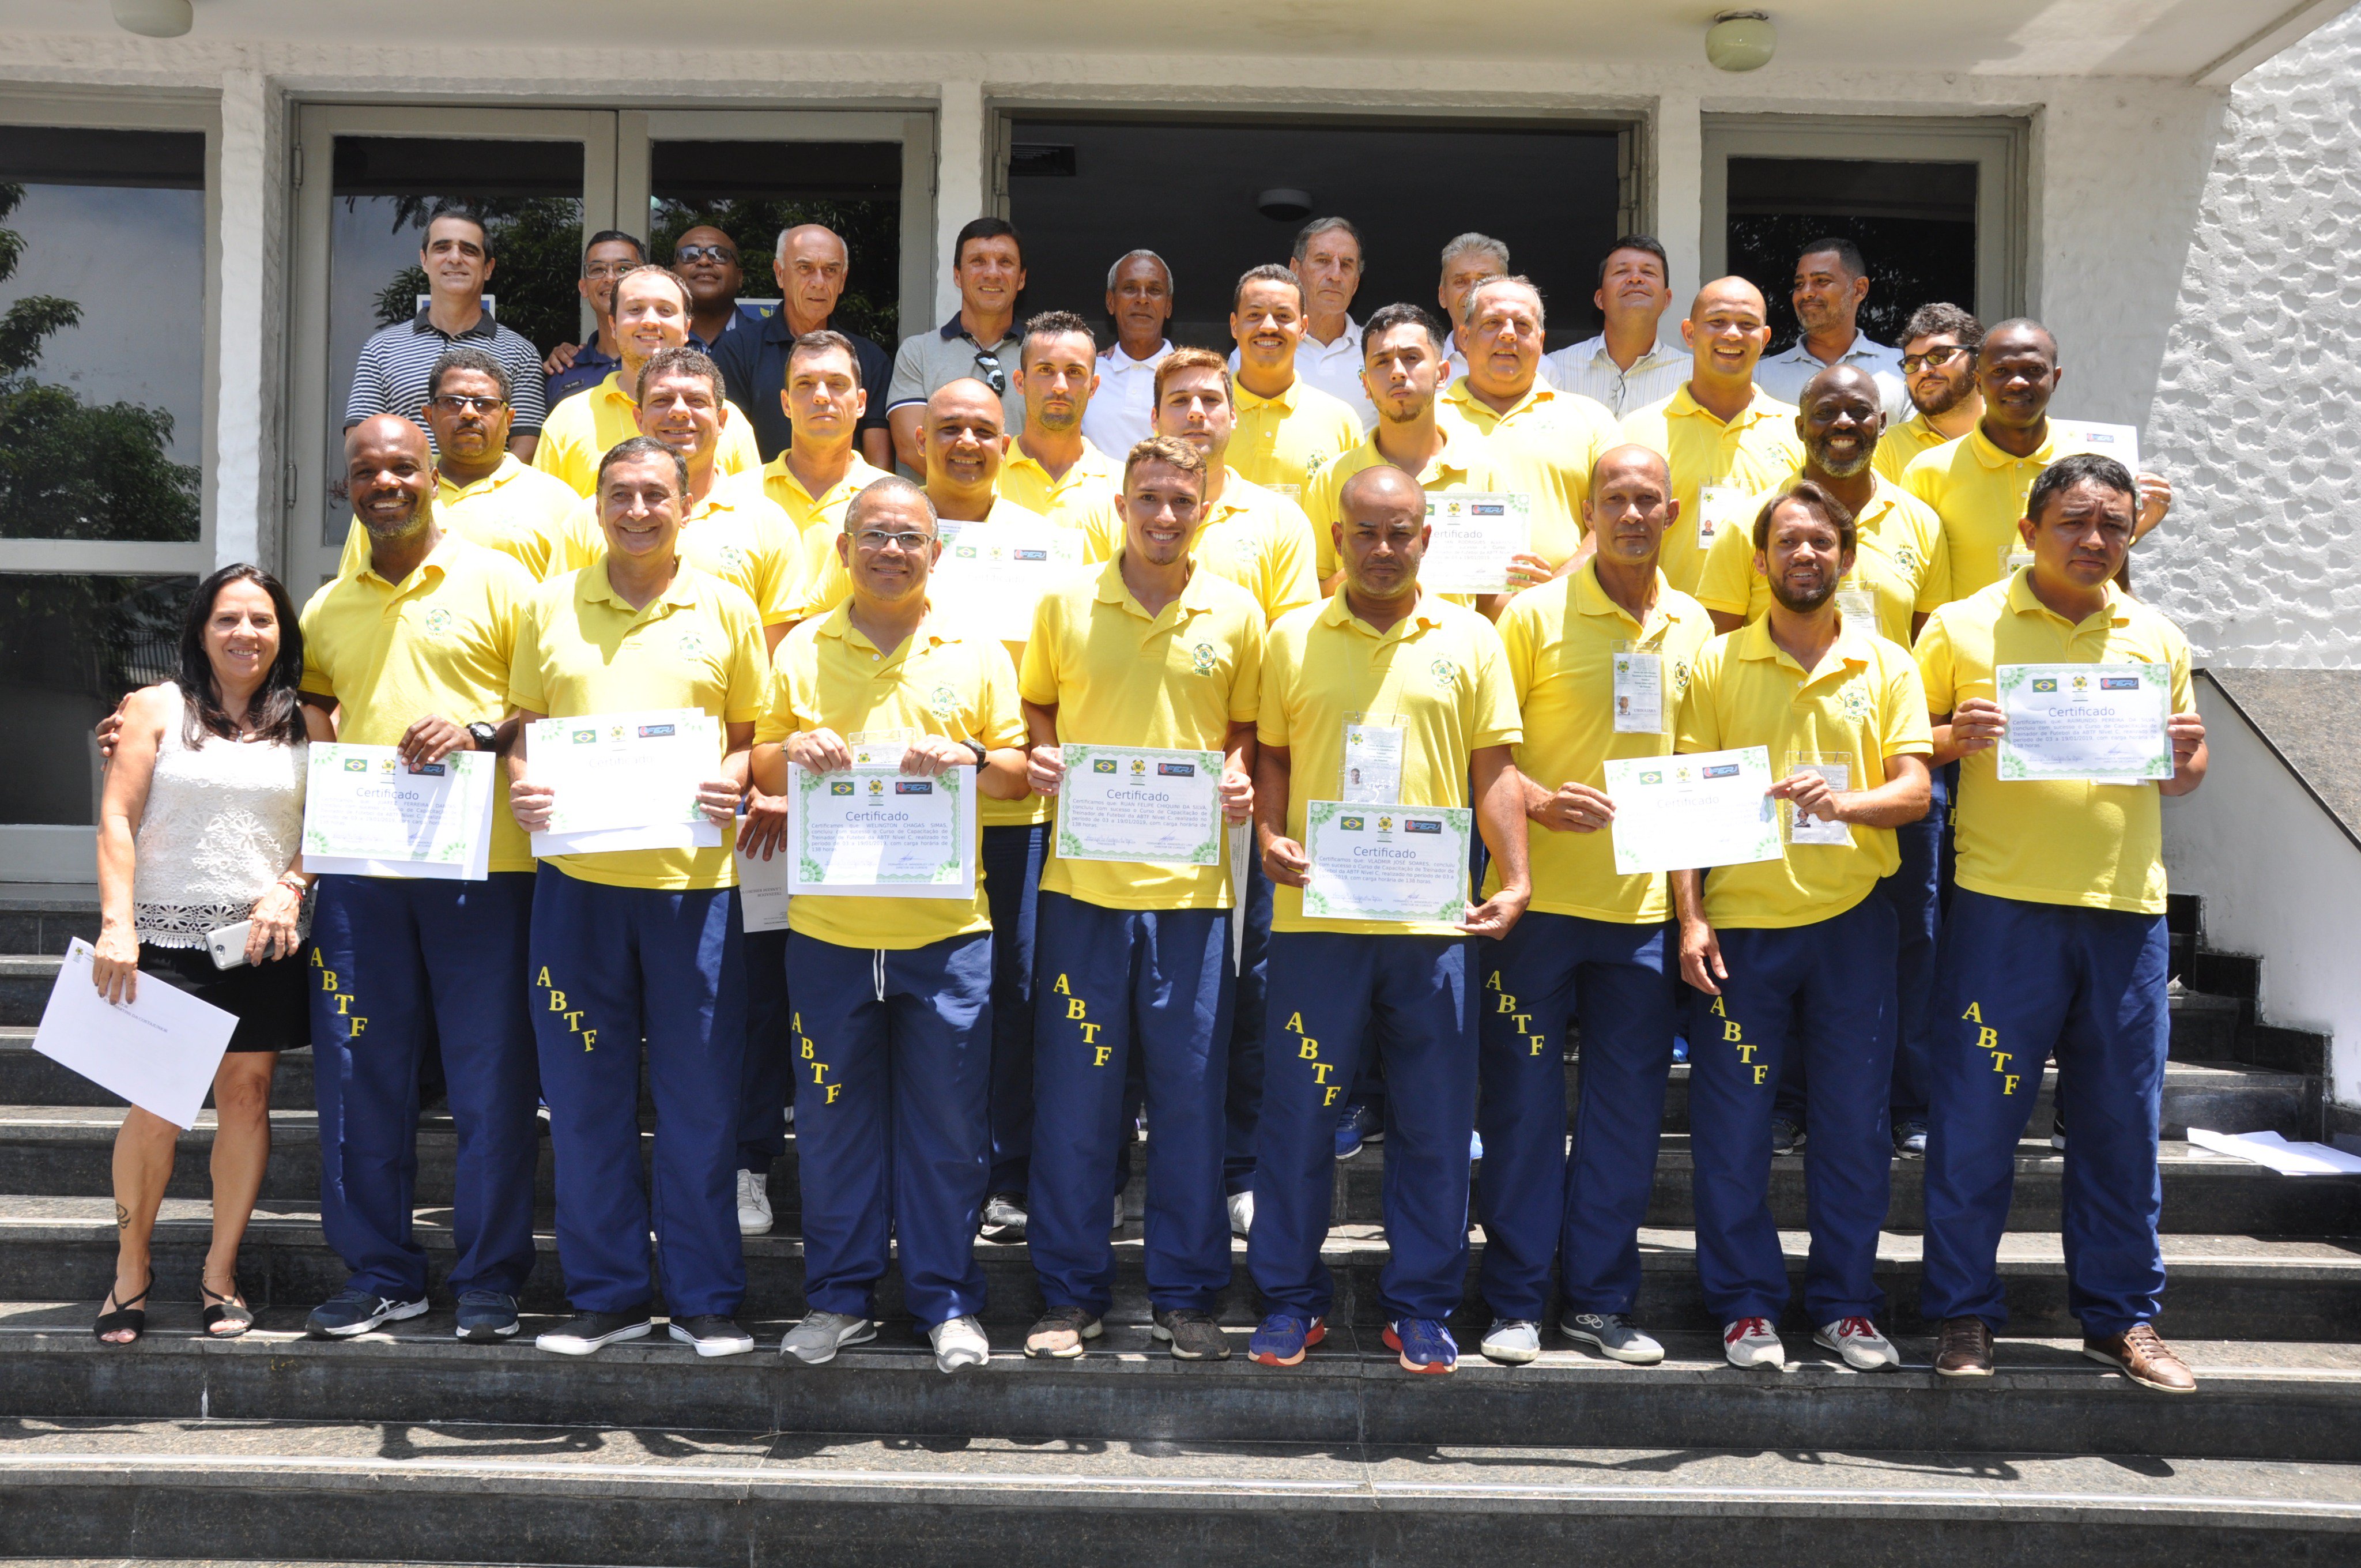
(1122, 412)
(1586, 368)
(1785, 375)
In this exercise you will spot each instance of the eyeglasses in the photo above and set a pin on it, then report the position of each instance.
(721, 253)
(607, 268)
(993, 376)
(875, 539)
(454, 403)
(1940, 355)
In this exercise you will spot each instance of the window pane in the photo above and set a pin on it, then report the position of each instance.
(751, 190)
(70, 648)
(531, 194)
(1915, 224)
(101, 334)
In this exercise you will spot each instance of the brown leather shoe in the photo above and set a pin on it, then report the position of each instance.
(2141, 1355)
(1963, 1348)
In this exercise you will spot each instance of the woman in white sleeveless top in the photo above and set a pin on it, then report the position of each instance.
(201, 825)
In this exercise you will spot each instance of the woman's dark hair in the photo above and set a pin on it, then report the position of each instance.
(276, 711)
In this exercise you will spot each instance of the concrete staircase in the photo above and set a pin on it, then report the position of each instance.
(407, 1446)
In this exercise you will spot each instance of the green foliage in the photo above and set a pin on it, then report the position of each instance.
(536, 259)
(871, 229)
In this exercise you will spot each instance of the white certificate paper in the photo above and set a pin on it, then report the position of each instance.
(1404, 863)
(159, 1050)
(2097, 723)
(368, 813)
(625, 780)
(875, 833)
(1136, 803)
(762, 888)
(2120, 442)
(1688, 812)
(1475, 534)
(998, 572)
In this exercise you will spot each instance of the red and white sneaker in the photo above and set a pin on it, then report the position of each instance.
(1752, 1342)
(1857, 1340)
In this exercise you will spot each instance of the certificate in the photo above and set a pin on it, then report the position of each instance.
(1133, 803)
(1685, 813)
(875, 833)
(2120, 442)
(368, 813)
(2098, 723)
(625, 780)
(762, 888)
(159, 1050)
(998, 570)
(1475, 534)
(1404, 863)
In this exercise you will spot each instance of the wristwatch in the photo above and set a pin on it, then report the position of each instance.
(484, 734)
(977, 747)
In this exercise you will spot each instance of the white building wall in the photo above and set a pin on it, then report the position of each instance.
(2257, 416)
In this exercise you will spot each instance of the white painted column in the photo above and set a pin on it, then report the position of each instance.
(245, 505)
(962, 192)
(1679, 170)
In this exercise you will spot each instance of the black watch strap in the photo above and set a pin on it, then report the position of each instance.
(977, 747)
(485, 735)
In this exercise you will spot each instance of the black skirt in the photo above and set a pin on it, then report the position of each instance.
(272, 1009)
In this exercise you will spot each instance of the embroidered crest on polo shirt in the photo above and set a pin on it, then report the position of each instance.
(1853, 699)
(437, 621)
(1445, 673)
(735, 558)
(944, 703)
(1202, 659)
(691, 645)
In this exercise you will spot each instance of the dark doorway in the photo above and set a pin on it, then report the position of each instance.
(1915, 224)
(1084, 192)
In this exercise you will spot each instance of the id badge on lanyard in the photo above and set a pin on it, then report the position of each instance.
(1639, 690)
(1837, 768)
(1856, 604)
(1371, 772)
(1715, 505)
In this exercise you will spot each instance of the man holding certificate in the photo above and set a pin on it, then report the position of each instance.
(1369, 934)
(1139, 691)
(635, 916)
(2069, 705)
(414, 646)
(1796, 952)
(1597, 662)
(878, 713)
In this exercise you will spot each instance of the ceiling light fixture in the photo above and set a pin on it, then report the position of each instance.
(154, 18)
(1284, 205)
(1740, 41)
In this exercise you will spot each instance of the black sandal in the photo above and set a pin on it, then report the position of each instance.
(126, 1315)
(220, 1309)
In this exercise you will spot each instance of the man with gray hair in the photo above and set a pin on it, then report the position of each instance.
(811, 265)
(1468, 259)
(1122, 412)
(1327, 262)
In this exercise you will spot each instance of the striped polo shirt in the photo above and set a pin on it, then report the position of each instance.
(390, 377)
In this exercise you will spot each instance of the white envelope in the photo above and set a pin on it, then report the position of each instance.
(159, 1050)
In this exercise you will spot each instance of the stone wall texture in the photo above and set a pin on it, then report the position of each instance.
(2257, 412)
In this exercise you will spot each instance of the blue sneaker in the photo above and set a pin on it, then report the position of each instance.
(350, 1313)
(1355, 1128)
(1425, 1344)
(486, 1317)
(1284, 1337)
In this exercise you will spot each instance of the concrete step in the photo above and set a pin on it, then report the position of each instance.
(2285, 1401)
(565, 1495)
(2222, 1286)
(42, 917)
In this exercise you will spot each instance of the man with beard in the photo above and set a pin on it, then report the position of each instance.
(1051, 467)
(1122, 412)
(1831, 282)
(1796, 954)
(1938, 365)
(413, 645)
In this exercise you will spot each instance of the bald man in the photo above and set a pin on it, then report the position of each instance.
(1382, 710)
(1724, 438)
(812, 268)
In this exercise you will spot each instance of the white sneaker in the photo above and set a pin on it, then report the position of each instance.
(1752, 1342)
(1857, 1340)
(753, 1203)
(1241, 1213)
(958, 1342)
(1514, 1342)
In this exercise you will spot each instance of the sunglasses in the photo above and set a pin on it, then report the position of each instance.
(721, 253)
(1937, 356)
(454, 403)
(992, 375)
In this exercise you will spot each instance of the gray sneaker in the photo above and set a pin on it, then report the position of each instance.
(1513, 1342)
(821, 1335)
(1193, 1335)
(1613, 1335)
(1786, 1136)
(1003, 1218)
(1910, 1139)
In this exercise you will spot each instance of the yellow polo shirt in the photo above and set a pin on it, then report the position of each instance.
(1757, 451)
(1175, 680)
(1863, 702)
(2093, 846)
(1732, 586)
(807, 512)
(439, 642)
(1281, 442)
(1545, 444)
(583, 428)
(938, 682)
(581, 650)
(735, 534)
(1083, 495)
(1561, 639)
(1902, 442)
(517, 510)
(1440, 669)
(1465, 465)
(1256, 538)
(827, 585)
(1979, 492)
